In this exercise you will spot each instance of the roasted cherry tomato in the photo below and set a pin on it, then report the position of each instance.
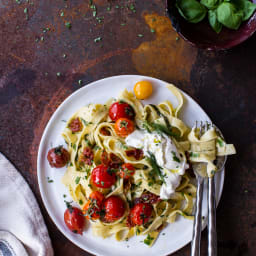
(136, 153)
(74, 219)
(140, 213)
(114, 208)
(87, 156)
(121, 109)
(58, 157)
(143, 90)
(147, 198)
(92, 208)
(104, 131)
(103, 177)
(123, 127)
(127, 171)
(75, 125)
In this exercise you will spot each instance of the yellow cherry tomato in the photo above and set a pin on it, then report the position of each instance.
(143, 90)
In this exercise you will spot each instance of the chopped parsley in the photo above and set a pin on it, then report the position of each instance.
(140, 35)
(152, 30)
(77, 180)
(73, 146)
(49, 180)
(84, 121)
(220, 142)
(98, 39)
(68, 25)
(148, 240)
(174, 157)
(192, 154)
(81, 202)
(132, 8)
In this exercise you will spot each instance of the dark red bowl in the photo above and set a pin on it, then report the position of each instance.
(203, 36)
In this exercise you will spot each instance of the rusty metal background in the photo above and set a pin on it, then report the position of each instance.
(47, 46)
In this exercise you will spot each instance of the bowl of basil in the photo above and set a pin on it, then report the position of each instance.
(213, 24)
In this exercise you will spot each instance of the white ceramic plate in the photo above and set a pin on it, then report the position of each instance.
(175, 235)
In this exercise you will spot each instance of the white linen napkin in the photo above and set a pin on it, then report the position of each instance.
(21, 222)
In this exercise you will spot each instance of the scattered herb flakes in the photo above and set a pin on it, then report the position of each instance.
(49, 180)
(246, 191)
(94, 13)
(177, 38)
(109, 8)
(132, 8)
(68, 25)
(117, 6)
(64, 195)
(77, 180)
(80, 82)
(148, 240)
(123, 24)
(61, 14)
(152, 30)
(192, 154)
(58, 74)
(64, 55)
(100, 19)
(174, 157)
(220, 142)
(18, 1)
(81, 202)
(98, 39)
(63, 120)
(140, 35)
(26, 12)
(42, 38)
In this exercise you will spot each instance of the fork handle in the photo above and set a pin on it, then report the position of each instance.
(212, 232)
(196, 237)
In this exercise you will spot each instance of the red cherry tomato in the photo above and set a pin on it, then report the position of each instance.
(103, 177)
(140, 213)
(123, 127)
(92, 208)
(114, 208)
(121, 109)
(75, 125)
(58, 157)
(127, 171)
(74, 219)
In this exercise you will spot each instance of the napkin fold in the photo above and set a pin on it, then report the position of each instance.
(22, 228)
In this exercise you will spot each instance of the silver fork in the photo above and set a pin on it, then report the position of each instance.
(200, 172)
(212, 232)
(201, 175)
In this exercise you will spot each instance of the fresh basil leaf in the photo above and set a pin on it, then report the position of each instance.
(191, 10)
(229, 16)
(246, 6)
(215, 24)
(211, 4)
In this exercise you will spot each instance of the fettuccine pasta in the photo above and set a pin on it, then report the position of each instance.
(147, 170)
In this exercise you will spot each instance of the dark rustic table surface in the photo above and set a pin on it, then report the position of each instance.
(47, 46)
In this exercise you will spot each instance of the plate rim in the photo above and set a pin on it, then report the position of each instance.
(40, 149)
